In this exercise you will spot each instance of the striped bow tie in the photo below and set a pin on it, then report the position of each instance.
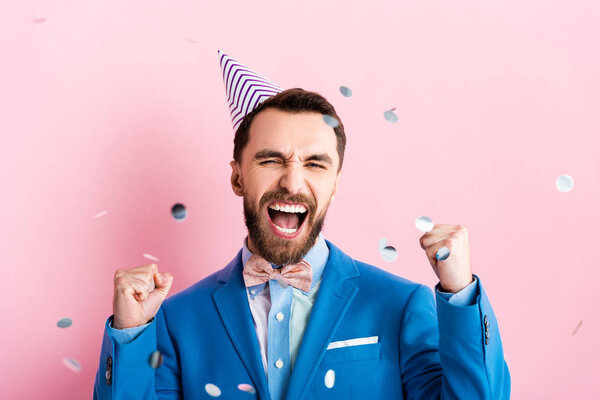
(258, 270)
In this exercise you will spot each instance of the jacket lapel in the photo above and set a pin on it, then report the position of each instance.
(232, 305)
(333, 299)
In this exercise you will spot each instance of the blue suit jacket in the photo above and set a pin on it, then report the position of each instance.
(206, 335)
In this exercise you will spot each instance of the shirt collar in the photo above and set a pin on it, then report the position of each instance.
(317, 258)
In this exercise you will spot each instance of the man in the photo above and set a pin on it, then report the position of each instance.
(292, 316)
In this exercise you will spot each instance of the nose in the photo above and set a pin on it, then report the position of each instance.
(292, 178)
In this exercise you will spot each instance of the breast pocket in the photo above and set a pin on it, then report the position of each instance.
(352, 353)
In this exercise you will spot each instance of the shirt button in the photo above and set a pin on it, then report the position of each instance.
(279, 316)
(253, 291)
(279, 363)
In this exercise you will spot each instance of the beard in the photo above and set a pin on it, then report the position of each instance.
(272, 248)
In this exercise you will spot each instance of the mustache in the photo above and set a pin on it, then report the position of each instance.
(283, 195)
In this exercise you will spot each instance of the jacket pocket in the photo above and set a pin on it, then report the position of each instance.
(352, 353)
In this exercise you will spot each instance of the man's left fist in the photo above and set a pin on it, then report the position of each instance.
(454, 272)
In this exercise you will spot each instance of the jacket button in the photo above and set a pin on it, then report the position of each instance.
(485, 320)
(487, 334)
(109, 361)
(487, 341)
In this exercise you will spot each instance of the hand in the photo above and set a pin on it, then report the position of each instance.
(139, 293)
(454, 272)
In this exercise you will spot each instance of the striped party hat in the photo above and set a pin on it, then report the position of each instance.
(245, 88)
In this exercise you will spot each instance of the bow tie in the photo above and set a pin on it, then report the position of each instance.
(258, 270)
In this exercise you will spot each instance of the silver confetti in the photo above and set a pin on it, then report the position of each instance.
(564, 183)
(382, 243)
(39, 20)
(150, 257)
(212, 390)
(244, 387)
(331, 121)
(345, 91)
(442, 253)
(156, 359)
(100, 214)
(178, 211)
(330, 378)
(389, 253)
(73, 365)
(64, 322)
(390, 115)
(424, 223)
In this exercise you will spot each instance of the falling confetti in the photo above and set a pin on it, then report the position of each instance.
(100, 214)
(331, 121)
(390, 115)
(442, 253)
(156, 359)
(178, 211)
(576, 329)
(39, 20)
(64, 322)
(150, 257)
(382, 243)
(345, 91)
(190, 40)
(244, 387)
(424, 223)
(564, 183)
(73, 365)
(389, 253)
(212, 390)
(330, 378)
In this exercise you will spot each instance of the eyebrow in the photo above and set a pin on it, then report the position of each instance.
(268, 153)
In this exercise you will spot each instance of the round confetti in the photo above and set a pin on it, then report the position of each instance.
(442, 253)
(73, 365)
(244, 387)
(330, 378)
(389, 253)
(64, 322)
(156, 359)
(212, 390)
(424, 223)
(390, 115)
(178, 211)
(331, 121)
(382, 243)
(345, 91)
(564, 183)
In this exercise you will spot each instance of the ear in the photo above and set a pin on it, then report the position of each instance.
(236, 179)
(335, 186)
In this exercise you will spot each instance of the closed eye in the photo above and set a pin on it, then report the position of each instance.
(273, 161)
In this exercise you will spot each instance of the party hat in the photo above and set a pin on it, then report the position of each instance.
(245, 88)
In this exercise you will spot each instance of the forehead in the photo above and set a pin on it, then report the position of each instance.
(301, 133)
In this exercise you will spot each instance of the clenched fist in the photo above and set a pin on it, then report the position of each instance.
(139, 292)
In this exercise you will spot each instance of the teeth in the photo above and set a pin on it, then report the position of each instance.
(287, 208)
(285, 230)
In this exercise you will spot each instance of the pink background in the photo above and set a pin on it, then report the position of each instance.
(120, 107)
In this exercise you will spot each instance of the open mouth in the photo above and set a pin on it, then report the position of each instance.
(287, 218)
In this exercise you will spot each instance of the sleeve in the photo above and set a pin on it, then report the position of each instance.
(127, 335)
(465, 297)
(124, 371)
(450, 351)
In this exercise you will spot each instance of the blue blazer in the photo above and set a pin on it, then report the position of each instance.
(426, 349)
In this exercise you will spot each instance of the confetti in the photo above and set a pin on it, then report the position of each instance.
(389, 253)
(73, 365)
(156, 359)
(424, 223)
(442, 253)
(382, 243)
(64, 322)
(178, 211)
(39, 20)
(345, 91)
(330, 378)
(578, 326)
(331, 121)
(390, 115)
(100, 214)
(564, 183)
(150, 257)
(244, 387)
(212, 390)
(190, 40)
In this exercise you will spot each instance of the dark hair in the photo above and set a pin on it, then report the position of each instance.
(294, 100)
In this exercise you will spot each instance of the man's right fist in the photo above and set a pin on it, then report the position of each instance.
(139, 292)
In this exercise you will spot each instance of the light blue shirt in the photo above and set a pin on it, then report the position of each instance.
(284, 336)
